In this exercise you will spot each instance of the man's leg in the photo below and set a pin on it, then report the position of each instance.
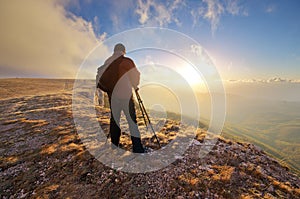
(134, 131)
(114, 129)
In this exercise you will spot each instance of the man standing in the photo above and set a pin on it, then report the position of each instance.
(119, 78)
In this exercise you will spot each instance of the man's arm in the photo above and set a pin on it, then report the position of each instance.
(134, 76)
(133, 73)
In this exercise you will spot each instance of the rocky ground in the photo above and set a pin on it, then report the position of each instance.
(41, 156)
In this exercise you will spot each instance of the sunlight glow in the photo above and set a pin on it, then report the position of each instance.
(191, 76)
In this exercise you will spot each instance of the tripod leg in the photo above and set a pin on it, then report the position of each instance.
(152, 128)
(146, 116)
(143, 114)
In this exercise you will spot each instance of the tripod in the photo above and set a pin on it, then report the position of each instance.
(146, 116)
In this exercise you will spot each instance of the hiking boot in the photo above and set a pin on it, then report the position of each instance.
(138, 150)
(137, 146)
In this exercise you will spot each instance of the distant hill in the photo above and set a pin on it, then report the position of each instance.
(270, 124)
(19, 87)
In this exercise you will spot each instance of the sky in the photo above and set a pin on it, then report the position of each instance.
(255, 40)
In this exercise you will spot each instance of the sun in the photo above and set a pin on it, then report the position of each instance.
(192, 76)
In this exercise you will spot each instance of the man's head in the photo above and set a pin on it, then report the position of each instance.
(120, 48)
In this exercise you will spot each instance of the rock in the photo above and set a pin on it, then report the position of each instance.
(197, 143)
(270, 189)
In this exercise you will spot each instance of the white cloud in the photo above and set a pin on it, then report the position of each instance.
(163, 16)
(154, 13)
(176, 5)
(270, 80)
(198, 50)
(202, 54)
(116, 22)
(296, 81)
(96, 24)
(245, 13)
(232, 7)
(270, 8)
(143, 10)
(42, 38)
(278, 79)
(196, 14)
(214, 9)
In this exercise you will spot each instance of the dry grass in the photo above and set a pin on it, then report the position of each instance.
(20, 87)
(41, 156)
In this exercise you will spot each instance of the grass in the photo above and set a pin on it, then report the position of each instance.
(275, 127)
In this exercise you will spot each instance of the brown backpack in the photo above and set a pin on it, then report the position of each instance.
(108, 76)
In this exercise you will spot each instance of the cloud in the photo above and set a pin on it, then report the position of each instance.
(153, 13)
(296, 81)
(96, 24)
(163, 15)
(143, 10)
(196, 14)
(270, 8)
(213, 10)
(270, 80)
(41, 38)
(232, 7)
(276, 79)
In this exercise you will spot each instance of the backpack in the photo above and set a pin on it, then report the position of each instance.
(99, 83)
(107, 75)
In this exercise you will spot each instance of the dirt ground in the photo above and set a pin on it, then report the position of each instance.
(42, 156)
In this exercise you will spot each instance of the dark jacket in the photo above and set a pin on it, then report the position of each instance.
(121, 76)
